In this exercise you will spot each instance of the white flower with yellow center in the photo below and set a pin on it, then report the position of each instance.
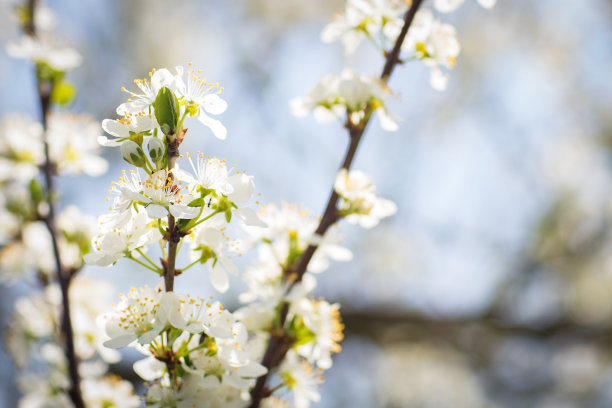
(202, 97)
(301, 379)
(196, 315)
(347, 94)
(112, 244)
(434, 43)
(157, 192)
(291, 229)
(210, 173)
(363, 19)
(148, 90)
(361, 205)
(21, 147)
(123, 129)
(109, 392)
(135, 318)
(72, 144)
(323, 320)
(232, 363)
(210, 246)
(44, 49)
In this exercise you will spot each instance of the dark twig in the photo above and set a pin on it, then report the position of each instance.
(278, 344)
(64, 276)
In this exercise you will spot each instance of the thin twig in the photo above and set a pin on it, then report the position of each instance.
(64, 276)
(278, 344)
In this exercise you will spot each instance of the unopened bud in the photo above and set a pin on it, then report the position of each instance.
(133, 154)
(157, 150)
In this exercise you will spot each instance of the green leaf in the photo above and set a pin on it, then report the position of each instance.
(167, 111)
(63, 93)
(36, 191)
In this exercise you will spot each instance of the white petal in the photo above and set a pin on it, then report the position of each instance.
(105, 141)
(218, 278)
(120, 341)
(212, 103)
(215, 126)
(438, 79)
(250, 218)
(243, 188)
(156, 211)
(253, 369)
(228, 265)
(386, 122)
(149, 369)
(184, 211)
(112, 127)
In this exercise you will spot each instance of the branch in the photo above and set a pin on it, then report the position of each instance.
(64, 276)
(277, 346)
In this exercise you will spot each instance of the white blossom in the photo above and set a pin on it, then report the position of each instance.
(109, 392)
(123, 129)
(112, 244)
(362, 19)
(323, 320)
(72, 144)
(349, 93)
(43, 49)
(434, 43)
(209, 246)
(361, 204)
(204, 98)
(301, 379)
(135, 318)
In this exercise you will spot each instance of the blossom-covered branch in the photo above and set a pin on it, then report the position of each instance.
(280, 342)
(45, 86)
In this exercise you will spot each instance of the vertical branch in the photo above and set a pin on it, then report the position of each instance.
(63, 275)
(279, 343)
(173, 234)
(170, 269)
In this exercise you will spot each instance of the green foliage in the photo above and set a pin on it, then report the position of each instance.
(167, 111)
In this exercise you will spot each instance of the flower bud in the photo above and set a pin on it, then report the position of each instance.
(133, 154)
(157, 150)
(167, 111)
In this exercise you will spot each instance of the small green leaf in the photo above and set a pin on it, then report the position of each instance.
(63, 93)
(36, 191)
(167, 111)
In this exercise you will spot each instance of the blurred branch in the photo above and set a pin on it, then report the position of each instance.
(385, 326)
(280, 343)
(64, 276)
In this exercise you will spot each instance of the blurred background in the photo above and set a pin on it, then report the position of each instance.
(492, 285)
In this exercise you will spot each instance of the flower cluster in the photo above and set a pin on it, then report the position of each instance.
(347, 95)
(428, 40)
(203, 203)
(32, 339)
(211, 347)
(196, 353)
(315, 325)
(191, 94)
(62, 145)
(360, 203)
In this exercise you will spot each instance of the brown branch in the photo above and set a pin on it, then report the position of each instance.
(277, 347)
(170, 264)
(63, 275)
(174, 236)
